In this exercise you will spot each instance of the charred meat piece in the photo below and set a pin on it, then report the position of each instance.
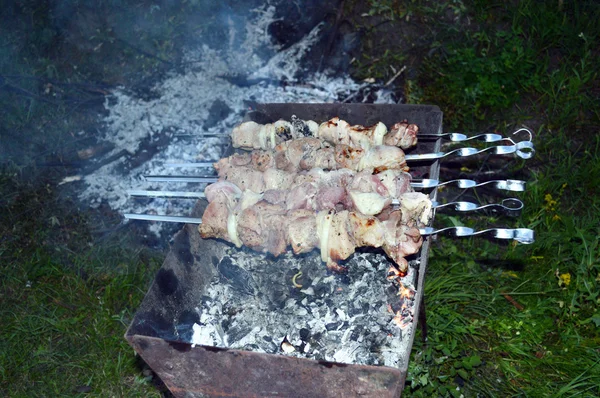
(320, 190)
(270, 228)
(251, 135)
(310, 153)
(338, 132)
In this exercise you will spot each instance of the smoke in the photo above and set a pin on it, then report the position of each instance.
(209, 96)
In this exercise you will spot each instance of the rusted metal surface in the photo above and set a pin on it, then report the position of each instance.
(161, 329)
(215, 372)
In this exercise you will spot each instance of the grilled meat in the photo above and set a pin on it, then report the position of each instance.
(310, 153)
(317, 189)
(251, 135)
(244, 218)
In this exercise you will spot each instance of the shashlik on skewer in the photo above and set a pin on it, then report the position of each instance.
(426, 183)
(319, 190)
(251, 135)
(310, 153)
(243, 218)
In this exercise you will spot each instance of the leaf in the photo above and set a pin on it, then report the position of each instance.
(466, 364)
(475, 360)
(463, 373)
(595, 318)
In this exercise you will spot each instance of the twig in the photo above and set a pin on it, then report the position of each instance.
(513, 302)
(336, 26)
(395, 76)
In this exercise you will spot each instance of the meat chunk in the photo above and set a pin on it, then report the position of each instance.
(268, 227)
(250, 135)
(264, 227)
(400, 239)
(302, 231)
(403, 135)
(416, 207)
(383, 157)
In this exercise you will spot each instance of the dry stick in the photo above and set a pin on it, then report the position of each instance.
(336, 26)
(395, 76)
(513, 301)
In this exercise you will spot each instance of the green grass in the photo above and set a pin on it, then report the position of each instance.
(503, 320)
(517, 320)
(66, 300)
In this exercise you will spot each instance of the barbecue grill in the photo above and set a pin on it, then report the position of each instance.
(221, 321)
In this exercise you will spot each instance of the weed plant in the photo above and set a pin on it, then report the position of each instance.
(66, 299)
(515, 320)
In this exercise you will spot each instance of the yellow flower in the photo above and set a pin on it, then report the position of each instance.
(564, 279)
(550, 202)
(556, 217)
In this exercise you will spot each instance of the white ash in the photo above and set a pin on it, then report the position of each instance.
(252, 304)
(182, 104)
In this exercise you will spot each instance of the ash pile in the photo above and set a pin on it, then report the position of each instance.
(257, 53)
(294, 306)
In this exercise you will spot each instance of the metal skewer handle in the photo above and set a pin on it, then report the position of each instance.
(506, 185)
(521, 235)
(507, 205)
(156, 217)
(459, 137)
(524, 150)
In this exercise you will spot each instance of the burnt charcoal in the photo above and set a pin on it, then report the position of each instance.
(237, 277)
(237, 332)
(218, 111)
(353, 311)
(326, 319)
(391, 290)
(225, 324)
(284, 33)
(332, 326)
(344, 279)
(244, 81)
(304, 334)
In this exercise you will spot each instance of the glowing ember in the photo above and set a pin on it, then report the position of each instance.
(404, 315)
(406, 292)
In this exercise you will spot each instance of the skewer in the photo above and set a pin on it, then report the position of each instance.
(459, 137)
(523, 149)
(454, 137)
(521, 235)
(506, 185)
(507, 205)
